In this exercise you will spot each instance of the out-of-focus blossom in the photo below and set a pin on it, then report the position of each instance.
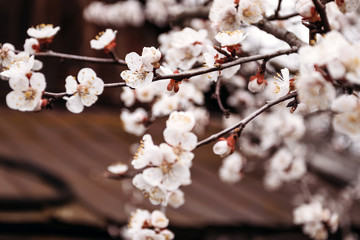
(104, 40)
(43, 32)
(134, 122)
(231, 168)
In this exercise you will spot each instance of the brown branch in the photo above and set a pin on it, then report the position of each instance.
(80, 58)
(278, 9)
(284, 17)
(216, 95)
(113, 176)
(280, 33)
(184, 75)
(242, 124)
(320, 8)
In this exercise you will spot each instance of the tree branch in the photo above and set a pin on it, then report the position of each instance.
(280, 33)
(226, 112)
(242, 124)
(278, 9)
(284, 17)
(320, 8)
(184, 75)
(80, 58)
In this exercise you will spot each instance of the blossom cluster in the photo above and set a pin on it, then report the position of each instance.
(316, 220)
(334, 61)
(21, 70)
(166, 167)
(141, 67)
(228, 15)
(146, 225)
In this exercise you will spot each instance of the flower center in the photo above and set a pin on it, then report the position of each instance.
(166, 167)
(30, 94)
(83, 90)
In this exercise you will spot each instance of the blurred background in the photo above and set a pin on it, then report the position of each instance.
(52, 163)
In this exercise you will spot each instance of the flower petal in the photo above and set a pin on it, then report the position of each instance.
(74, 104)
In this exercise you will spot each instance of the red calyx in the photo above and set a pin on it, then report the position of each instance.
(110, 46)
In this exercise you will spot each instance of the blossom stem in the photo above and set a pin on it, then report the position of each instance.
(320, 8)
(242, 124)
(80, 58)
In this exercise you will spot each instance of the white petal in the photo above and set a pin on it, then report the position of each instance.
(74, 104)
(184, 121)
(188, 141)
(89, 100)
(37, 81)
(97, 87)
(86, 74)
(221, 147)
(15, 100)
(153, 176)
(159, 220)
(134, 61)
(19, 84)
(285, 74)
(172, 136)
(139, 182)
(71, 85)
(148, 79)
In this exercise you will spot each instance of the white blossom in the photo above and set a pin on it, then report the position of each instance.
(281, 85)
(184, 121)
(159, 220)
(224, 16)
(230, 170)
(19, 68)
(230, 38)
(137, 76)
(147, 153)
(176, 198)
(31, 45)
(251, 11)
(222, 148)
(27, 93)
(84, 91)
(134, 122)
(43, 31)
(144, 225)
(105, 40)
(118, 168)
(150, 57)
(7, 54)
(347, 117)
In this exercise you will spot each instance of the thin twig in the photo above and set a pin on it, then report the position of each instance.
(184, 75)
(278, 9)
(226, 112)
(80, 58)
(242, 124)
(320, 8)
(284, 17)
(114, 55)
